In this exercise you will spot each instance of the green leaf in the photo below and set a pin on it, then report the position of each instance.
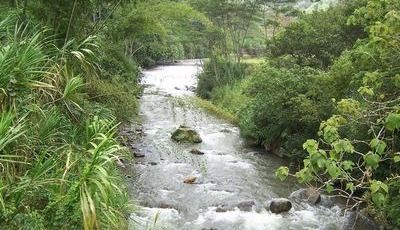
(366, 91)
(378, 145)
(304, 175)
(343, 146)
(333, 170)
(347, 165)
(378, 198)
(396, 159)
(376, 185)
(282, 173)
(331, 134)
(321, 162)
(311, 146)
(393, 122)
(329, 188)
(350, 187)
(372, 160)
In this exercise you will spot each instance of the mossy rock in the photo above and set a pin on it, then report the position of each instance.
(186, 135)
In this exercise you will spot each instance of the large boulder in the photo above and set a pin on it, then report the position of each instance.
(186, 135)
(308, 195)
(279, 205)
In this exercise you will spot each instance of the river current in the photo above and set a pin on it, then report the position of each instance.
(227, 174)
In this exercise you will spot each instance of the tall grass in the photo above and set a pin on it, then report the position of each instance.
(58, 150)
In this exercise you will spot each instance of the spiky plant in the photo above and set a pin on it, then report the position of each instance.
(57, 160)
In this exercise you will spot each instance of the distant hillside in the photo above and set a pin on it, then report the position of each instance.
(309, 5)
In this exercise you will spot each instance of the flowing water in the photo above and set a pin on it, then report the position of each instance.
(228, 173)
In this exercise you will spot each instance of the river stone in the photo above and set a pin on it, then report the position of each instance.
(221, 208)
(138, 155)
(186, 135)
(308, 195)
(246, 206)
(189, 180)
(196, 152)
(165, 206)
(279, 205)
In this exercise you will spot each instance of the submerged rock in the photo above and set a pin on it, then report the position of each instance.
(308, 195)
(186, 135)
(138, 155)
(221, 208)
(279, 205)
(190, 180)
(246, 206)
(165, 206)
(196, 152)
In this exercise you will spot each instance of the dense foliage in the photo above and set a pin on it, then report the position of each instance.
(328, 96)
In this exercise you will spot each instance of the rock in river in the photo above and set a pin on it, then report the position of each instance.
(190, 180)
(186, 135)
(308, 195)
(138, 155)
(279, 205)
(246, 206)
(196, 152)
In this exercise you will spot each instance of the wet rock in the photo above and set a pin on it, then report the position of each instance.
(279, 205)
(226, 130)
(186, 135)
(138, 155)
(177, 88)
(359, 221)
(190, 180)
(246, 206)
(153, 163)
(196, 152)
(165, 206)
(274, 147)
(308, 195)
(221, 208)
(190, 88)
(129, 132)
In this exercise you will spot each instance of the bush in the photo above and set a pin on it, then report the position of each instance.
(286, 106)
(317, 39)
(218, 73)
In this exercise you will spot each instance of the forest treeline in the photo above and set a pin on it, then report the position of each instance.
(326, 96)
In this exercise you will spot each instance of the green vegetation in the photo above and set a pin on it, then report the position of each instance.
(320, 87)
(69, 73)
(327, 96)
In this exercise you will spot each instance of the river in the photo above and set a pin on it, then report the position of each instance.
(228, 173)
